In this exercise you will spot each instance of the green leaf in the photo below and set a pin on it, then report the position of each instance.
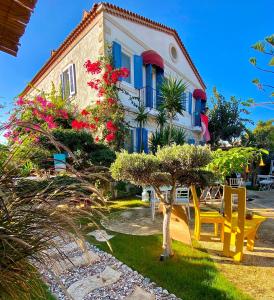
(271, 62)
(259, 46)
(253, 61)
(270, 39)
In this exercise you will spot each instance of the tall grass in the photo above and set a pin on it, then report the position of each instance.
(34, 215)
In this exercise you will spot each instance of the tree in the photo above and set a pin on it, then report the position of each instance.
(171, 93)
(234, 160)
(225, 119)
(265, 47)
(141, 118)
(262, 136)
(171, 166)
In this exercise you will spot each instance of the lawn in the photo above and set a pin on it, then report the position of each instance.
(190, 274)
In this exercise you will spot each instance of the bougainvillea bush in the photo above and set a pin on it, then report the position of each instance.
(105, 117)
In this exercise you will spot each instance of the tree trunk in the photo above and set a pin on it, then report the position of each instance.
(167, 248)
(170, 129)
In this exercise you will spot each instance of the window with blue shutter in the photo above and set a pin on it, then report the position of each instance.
(138, 72)
(183, 101)
(190, 102)
(117, 54)
(129, 141)
(149, 89)
(159, 81)
(144, 146)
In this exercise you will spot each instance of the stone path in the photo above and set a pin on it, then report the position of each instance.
(96, 275)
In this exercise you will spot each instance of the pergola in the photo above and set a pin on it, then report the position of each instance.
(14, 16)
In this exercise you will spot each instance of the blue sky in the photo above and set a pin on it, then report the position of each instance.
(217, 34)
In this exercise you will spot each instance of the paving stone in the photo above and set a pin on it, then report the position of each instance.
(83, 287)
(140, 294)
(101, 235)
(62, 265)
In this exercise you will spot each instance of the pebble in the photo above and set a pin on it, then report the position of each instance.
(122, 288)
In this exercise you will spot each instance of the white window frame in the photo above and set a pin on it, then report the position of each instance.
(131, 73)
(71, 74)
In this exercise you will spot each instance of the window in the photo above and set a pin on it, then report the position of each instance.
(129, 141)
(173, 53)
(126, 63)
(183, 100)
(68, 82)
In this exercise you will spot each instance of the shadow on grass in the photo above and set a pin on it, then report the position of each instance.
(190, 274)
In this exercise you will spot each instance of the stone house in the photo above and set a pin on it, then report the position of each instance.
(150, 50)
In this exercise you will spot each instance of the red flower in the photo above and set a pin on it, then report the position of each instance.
(77, 124)
(96, 119)
(97, 139)
(109, 67)
(93, 68)
(92, 126)
(112, 101)
(110, 137)
(101, 92)
(111, 127)
(84, 112)
(114, 77)
(124, 72)
(98, 102)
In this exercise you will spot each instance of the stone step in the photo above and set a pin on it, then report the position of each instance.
(61, 265)
(83, 287)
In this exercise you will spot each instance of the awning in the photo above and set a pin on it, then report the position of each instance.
(14, 17)
(199, 94)
(153, 58)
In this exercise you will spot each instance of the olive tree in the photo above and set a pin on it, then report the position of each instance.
(171, 166)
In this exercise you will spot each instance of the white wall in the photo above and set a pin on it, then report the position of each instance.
(136, 38)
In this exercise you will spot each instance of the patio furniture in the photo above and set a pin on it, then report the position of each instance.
(237, 227)
(265, 182)
(236, 182)
(182, 198)
(208, 217)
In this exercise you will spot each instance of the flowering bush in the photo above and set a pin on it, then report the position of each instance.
(41, 113)
(105, 118)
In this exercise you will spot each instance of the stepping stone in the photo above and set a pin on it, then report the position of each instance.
(62, 265)
(66, 249)
(101, 235)
(83, 287)
(140, 294)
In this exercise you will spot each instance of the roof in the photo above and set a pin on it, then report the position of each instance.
(122, 13)
(14, 17)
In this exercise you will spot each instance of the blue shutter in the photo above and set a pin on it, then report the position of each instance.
(145, 139)
(117, 55)
(203, 106)
(159, 81)
(138, 71)
(138, 139)
(190, 102)
(197, 112)
(149, 90)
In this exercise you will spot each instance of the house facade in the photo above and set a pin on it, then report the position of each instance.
(150, 51)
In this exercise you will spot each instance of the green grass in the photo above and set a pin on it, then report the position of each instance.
(190, 274)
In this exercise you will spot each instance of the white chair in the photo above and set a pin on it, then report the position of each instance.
(236, 182)
(182, 197)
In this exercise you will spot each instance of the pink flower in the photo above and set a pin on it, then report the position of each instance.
(20, 101)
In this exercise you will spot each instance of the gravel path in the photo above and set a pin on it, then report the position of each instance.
(97, 276)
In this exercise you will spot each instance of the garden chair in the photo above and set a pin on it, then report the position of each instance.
(208, 217)
(182, 198)
(238, 227)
